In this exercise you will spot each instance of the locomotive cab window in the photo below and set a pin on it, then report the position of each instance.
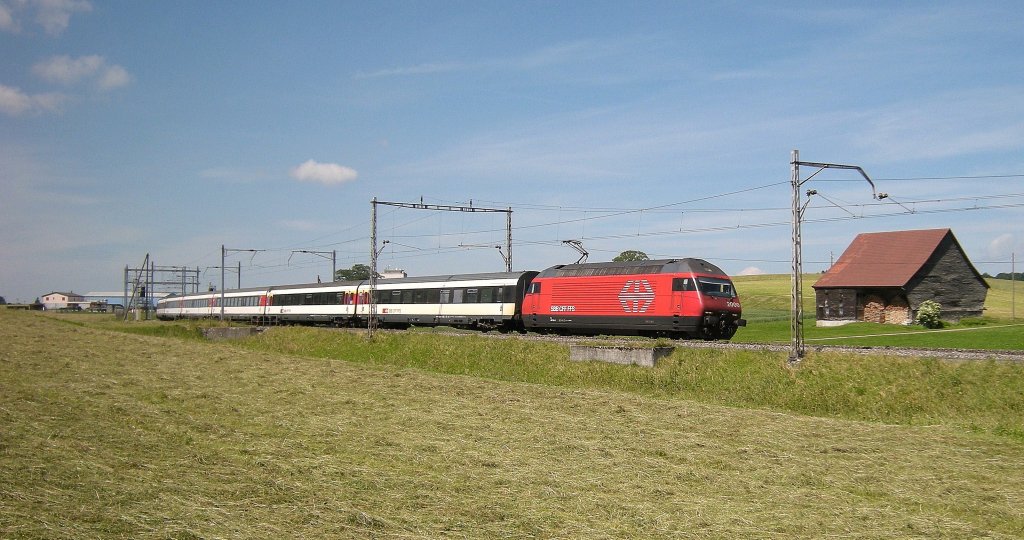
(534, 288)
(716, 287)
(683, 284)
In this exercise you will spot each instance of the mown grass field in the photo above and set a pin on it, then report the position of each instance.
(315, 433)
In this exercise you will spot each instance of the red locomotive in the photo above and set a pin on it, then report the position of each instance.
(674, 298)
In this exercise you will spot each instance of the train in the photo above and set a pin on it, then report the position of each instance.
(676, 298)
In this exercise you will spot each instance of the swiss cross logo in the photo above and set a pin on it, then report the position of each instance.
(636, 296)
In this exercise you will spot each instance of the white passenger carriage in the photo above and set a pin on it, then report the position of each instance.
(336, 303)
(491, 300)
(239, 304)
(469, 300)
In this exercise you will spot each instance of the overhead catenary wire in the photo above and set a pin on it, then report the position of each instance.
(610, 212)
(597, 214)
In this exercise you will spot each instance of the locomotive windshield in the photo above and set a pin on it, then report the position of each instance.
(716, 287)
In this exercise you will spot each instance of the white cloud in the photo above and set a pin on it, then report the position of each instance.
(64, 69)
(7, 23)
(751, 271)
(113, 77)
(324, 173)
(950, 124)
(68, 71)
(53, 16)
(1002, 245)
(14, 102)
(298, 224)
(568, 53)
(421, 69)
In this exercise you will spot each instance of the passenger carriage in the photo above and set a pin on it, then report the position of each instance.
(487, 301)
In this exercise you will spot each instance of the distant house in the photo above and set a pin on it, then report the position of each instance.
(884, 277)
(62, 300)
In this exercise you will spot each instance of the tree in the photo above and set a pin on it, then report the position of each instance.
(358, 272)
(631, 255)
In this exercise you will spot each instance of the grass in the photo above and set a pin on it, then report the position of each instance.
(766, 306)
(114, 435)
(982, 334)
(978, 396)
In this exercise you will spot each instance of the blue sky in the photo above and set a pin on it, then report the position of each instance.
(171, 129)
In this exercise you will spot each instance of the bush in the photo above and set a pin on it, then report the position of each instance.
(929, 314)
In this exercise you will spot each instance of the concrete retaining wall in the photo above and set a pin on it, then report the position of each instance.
(232, 332)
(641, 356)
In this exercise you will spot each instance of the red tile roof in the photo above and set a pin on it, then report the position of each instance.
(885, 259)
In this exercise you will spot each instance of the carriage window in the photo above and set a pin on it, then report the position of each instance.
(471, 296)
(487, 295)
(446, 296)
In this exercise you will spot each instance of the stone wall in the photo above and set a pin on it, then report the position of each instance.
(949, 279)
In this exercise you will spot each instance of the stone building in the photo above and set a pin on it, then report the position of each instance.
(884, 277)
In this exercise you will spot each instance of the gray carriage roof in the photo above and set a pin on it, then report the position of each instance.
(388, 281)
(410, 280)
(217, 293)
(661, 266)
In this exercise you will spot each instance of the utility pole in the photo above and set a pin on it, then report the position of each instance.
(135, 287)
(223, 253)
(796, 323)
(371, 317)
(508, 238)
